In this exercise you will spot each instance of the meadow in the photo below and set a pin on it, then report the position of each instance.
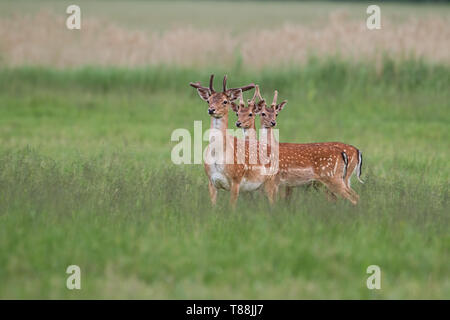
(86, 176)
(86, 179)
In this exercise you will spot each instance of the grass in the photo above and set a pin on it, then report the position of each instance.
(85, 179)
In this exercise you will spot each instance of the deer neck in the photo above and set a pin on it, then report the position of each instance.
(267, 133)
(250, 131)
(220, 123)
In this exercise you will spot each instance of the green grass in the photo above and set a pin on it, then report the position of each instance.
(86, 179)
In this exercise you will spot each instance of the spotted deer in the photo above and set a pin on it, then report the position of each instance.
(222, 173)
(299, 164)
(268, 116)
(246, 115)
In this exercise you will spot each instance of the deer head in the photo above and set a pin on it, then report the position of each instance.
(246, 115)
(269, 114)
(219, 101)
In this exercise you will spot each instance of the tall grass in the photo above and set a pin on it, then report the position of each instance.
(140, 232)
(86, 179)
(319, 73)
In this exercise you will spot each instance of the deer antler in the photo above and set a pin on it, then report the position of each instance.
(225, 83)
(211, 81)
(241, 99)
(225, 78)
(197, 85)
(275, 97)
(246, 88)
(256, 94)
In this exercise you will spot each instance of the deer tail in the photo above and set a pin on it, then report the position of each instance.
(358, 168)
(344, 156)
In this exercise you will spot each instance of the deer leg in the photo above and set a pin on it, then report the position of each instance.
(331, 197)
(316, 185)
(351, 167)
(286, 194)
(289, 193)
(212, 193)
(338, 184)
(354, 196)
(339, 187)
(234, 194)
(271, 189)
(353, 193)
(349, 189)
(283, 195)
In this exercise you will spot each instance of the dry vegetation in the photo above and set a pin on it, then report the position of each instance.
(42, 39)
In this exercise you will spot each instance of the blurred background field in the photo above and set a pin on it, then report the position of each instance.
(85, 173)
(210, 33)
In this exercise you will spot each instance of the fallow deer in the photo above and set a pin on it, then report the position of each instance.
(231, 175)
(354, 156)
(246, 115)
(301, 164)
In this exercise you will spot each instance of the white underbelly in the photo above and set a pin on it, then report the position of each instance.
(249, 185)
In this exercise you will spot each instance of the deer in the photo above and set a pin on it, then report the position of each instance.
(268, 117)
(234, 176)
(299, 164)
(246, 115)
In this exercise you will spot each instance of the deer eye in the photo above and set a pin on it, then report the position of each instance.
(263, 114)
(250, 114)
(225, 102)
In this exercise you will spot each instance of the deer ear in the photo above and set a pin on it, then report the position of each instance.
(204, 93)
(234, 107)
(233, 94)
(280, 106)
